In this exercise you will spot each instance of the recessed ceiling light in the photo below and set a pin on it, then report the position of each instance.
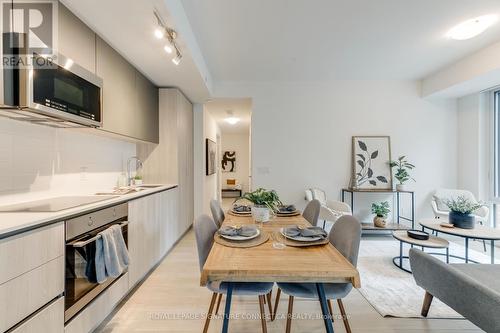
(168, 49)
(473, 27)
(232, 120)
(159, 33)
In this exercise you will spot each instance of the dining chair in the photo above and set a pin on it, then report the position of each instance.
(311, 212)
(217, 212)
(205, 229)
(345, 236)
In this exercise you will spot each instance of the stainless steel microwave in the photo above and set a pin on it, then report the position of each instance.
(53, 90)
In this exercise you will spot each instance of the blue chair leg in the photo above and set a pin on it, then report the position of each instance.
(324, 308)
(227, 310)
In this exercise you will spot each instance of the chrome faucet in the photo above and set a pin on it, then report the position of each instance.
(138, 164)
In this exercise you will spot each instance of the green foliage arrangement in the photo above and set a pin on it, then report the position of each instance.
(402, 169)
(263, 197)
(381, 209)
(463, 205)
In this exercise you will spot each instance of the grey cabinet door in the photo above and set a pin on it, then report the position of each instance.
(146, 107)
(76, 40)
(118, 91)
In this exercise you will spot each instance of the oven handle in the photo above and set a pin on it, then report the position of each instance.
(93, 239)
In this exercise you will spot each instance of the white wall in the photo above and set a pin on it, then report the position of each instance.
(301, 134)
(475, 116)
(240, 144)
(39, 161)
(205, 187)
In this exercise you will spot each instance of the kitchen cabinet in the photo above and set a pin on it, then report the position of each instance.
(32, 273)
(153, 229)
(171, 161)
(76, 40)
(49, 319)
(146, 107)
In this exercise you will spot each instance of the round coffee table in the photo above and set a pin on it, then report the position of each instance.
(433, 242)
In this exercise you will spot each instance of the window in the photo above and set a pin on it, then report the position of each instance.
(496, 162)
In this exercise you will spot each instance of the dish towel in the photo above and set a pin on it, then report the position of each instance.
(111, 257)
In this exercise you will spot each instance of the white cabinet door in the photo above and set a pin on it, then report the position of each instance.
(49, 319)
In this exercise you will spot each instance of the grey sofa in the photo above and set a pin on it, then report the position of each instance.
(473, 290)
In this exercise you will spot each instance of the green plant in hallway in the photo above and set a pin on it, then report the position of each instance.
(461, 212)
(403, 168)
(381, 211)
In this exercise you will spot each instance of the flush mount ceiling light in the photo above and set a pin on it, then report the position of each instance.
(471, 28)
(169, 34)
(231, 119)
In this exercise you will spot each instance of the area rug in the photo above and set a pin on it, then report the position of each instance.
(393, 292)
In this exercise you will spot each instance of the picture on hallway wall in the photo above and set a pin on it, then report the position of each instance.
(371, 156)
(211, 153)
(229, 161)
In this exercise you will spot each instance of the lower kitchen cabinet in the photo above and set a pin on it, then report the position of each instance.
(153, 229)
(49, 319)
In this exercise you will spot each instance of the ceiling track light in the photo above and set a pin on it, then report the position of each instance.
(164, 32)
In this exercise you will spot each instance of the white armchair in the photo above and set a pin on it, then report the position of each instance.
(330, 210)
(440, 209)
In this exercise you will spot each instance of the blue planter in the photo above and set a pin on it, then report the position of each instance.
(464, 221)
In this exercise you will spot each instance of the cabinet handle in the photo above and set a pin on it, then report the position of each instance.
(90, 222)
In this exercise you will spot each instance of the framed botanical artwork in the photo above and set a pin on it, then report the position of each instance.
(371, 156)
(211, 153)
(229, 161)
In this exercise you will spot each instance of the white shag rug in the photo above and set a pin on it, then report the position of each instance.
(393, 292)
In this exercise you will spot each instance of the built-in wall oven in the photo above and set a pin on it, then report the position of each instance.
(82, 232)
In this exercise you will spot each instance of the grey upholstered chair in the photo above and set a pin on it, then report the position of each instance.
(217, 212)
(311, 212)
(204, 229)
(473, 290)
(345, 236)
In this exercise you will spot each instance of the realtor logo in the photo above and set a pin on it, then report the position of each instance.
(36, 20)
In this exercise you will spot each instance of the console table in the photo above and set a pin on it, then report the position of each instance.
(399, 217)
(231, 193)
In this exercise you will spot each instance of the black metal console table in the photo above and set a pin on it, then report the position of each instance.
(399, 217)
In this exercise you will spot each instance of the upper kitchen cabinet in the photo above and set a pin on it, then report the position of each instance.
(76, 40)
(146, 107)
(130, 100)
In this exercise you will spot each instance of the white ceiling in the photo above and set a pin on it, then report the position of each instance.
(311, 40)
(128, 26)
(241, 108)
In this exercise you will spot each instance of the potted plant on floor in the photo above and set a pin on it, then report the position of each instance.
(264, 202)
(381, 210)
(461, 210)
(402, 172)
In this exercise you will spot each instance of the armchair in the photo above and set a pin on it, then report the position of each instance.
(330, 210)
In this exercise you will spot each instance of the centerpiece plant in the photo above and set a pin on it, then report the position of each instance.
(381, 211)
(403, 168)
(461, 212)
(264, 202)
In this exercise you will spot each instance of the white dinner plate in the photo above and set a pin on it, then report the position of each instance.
(241, 238)
(300, 238)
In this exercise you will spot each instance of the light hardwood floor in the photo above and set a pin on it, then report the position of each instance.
(171, 300)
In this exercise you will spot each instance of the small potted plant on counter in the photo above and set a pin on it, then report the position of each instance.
(402, 172)
(381, 210)
(264, 202)
(461, 210)
(138, 180)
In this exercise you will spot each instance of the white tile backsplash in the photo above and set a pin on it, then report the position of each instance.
(38, 161)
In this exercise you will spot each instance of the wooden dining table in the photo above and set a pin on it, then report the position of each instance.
(264, 263)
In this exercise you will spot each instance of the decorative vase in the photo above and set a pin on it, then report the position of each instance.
(379, 221)
(463, 221)
(400, 187)
(261, 213)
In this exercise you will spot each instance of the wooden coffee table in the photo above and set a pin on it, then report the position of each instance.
(479, 232)
(433, 242)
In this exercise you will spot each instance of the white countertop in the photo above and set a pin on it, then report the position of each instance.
(13, 223)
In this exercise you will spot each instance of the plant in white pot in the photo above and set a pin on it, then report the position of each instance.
(402, 174)
(461, 210)
(264, 202)
(381, 210)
